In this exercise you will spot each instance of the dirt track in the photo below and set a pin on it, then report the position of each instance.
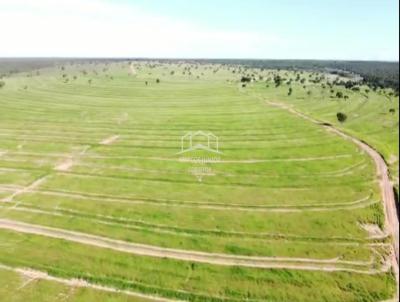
(328, 265)
(392, 219)
(34, 275)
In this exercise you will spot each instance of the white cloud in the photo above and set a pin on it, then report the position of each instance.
(99, 28)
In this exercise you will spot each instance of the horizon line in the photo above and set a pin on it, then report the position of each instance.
(191, 58)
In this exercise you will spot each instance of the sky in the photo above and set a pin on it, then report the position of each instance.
(257, 29)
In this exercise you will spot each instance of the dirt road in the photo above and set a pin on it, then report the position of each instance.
(328, 265)
(390, 208)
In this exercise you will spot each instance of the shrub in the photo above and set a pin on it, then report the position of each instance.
(342, 117)
(339, 95)
(278, 81)
(245, 80)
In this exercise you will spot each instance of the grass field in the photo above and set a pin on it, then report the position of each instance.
(17, 286)
(96, 149)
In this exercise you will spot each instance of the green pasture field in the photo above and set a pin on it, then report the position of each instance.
(97, 148)
(187, 281)
(17, 288)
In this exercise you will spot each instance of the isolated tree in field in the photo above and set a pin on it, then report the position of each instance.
(147, 83)
(277, 80)
(342, 117)
(2, 84)
(245, 79)
(290, 91)
(339, 95)
(158, 81)
(90, 82)
(392, 110)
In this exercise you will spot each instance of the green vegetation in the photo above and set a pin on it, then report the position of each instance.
(187, 281)
(95, 147)
(342, 117)
(19, 288)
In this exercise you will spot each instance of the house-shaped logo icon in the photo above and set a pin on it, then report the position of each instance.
(200, 140)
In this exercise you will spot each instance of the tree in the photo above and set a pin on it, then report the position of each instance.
(349, 84)
(277, 80)
(392, 110)
(2, 84)
(245, 79)
(342, 117)
(339, 95)
(158, 81)
(290, 91)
